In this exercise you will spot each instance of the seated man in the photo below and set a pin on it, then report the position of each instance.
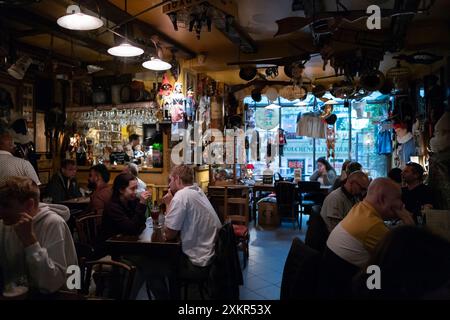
(352, 166)
(63, 185)
(353, 240)
(415, 195)
(11, 165)
(193, 217)
(339, 202)
(37, 246)
(98, 181)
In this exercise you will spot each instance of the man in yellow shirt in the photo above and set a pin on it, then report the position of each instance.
(351, 243)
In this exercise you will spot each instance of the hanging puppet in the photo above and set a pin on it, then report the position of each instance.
(190, 104)
(405, 145)
(330, 119)
(177, 108)
(281, 141)
(165, 93)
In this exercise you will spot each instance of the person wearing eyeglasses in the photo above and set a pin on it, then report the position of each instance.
(339, 202)
(416, 195)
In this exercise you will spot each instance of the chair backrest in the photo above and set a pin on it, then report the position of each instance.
(308, 186)
(285, 192)
(317, 233)
(236, 196)
(113, 279)
(225, 273)
(300, 274)
(88, 228)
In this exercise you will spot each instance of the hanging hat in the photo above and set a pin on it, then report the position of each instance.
(342, 89)
(288, 70)
(271, 94)
(166, 87)
(256, 95)
(372, 81)
(319, 91)
(247, 73)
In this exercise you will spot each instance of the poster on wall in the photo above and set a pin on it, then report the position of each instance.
(294, 164)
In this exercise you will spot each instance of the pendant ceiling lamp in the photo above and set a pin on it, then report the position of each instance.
(125, 49)
(76, 20)
(156, 64)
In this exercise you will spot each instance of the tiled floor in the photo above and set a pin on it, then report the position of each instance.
(268, 252)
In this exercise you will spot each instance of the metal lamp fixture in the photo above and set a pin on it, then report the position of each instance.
(156, 64)
(125, 50)
(76, 20)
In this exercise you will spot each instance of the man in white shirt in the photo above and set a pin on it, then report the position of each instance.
(36, 246)
(192, 216)
(12, 166)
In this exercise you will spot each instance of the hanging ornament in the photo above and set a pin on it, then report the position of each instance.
(331, 141)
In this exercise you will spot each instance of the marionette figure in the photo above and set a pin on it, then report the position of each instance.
(405, 146)
(190, 105)
(281, 141)
(178, 100)
(165, 93)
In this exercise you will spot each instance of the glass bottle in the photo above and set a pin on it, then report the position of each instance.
(155, 213)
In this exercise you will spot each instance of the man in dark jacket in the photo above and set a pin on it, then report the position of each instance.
(63, 185)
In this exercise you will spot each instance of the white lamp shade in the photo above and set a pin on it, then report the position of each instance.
(76, 20)
(156, 65)
(125, 50)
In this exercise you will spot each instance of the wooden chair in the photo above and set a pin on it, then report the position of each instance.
(88, 228)
(113, 279)
(237, 196)
(287, 201)
(311, 188)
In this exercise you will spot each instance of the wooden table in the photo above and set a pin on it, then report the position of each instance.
(77, 204)
(260, 187)
(80, 200)
(150, 244)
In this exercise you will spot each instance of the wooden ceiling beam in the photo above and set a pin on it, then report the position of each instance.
(116, 15)
(41, 24)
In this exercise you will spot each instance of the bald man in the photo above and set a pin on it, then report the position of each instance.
(353, 240)
(339, 202)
